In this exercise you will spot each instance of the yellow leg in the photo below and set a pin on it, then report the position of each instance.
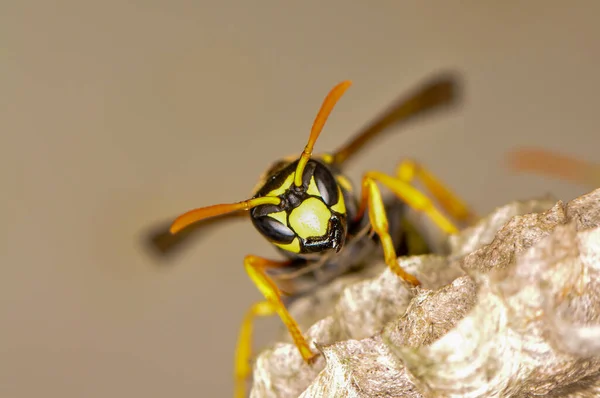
(256, 267)
(243, 353)
(408, 170)
(371, 198)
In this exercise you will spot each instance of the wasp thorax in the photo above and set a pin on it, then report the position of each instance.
(310, 218)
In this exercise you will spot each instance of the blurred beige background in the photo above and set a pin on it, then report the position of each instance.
(117, 115)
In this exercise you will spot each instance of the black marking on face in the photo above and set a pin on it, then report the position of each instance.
(274, 230)
(327, 185)
(291, 197)
(333, 240)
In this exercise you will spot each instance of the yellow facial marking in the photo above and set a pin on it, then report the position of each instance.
(310, 219)
(283, 187)
(312, 188)
(293, 247)
(340, 206)
(280, 216)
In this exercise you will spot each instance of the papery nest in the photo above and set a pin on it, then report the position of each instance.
(512, 311)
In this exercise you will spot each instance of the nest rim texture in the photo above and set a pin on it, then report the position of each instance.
(513, 310)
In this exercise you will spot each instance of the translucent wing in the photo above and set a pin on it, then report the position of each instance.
(438, 93)
(553, 164)
(160, 241)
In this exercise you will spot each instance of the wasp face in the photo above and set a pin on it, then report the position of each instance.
(310, 218)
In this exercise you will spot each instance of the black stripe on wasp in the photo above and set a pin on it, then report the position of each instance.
(321, 224)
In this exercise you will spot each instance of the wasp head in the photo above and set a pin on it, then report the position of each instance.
(310, 218)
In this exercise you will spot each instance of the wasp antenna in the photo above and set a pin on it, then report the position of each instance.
(203, 213)
(553, 164)
(332, 98)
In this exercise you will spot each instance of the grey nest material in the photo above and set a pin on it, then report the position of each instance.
(512, 311)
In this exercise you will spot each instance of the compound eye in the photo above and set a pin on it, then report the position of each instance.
(327, 185)
(274, 230)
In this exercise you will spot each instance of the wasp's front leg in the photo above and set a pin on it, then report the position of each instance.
(256, 268)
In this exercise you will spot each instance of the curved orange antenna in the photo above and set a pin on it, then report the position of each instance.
(332, 98)
(556, 165)
(203, 213)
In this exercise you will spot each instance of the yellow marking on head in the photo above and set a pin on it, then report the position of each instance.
(293, 247)
(283, 187)
(280, 216)
(312, 188)
(310, 219)
(340, 206)
(344, 182)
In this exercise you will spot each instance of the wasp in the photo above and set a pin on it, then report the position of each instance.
(318, 220)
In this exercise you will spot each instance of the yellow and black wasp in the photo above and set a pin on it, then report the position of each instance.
(308, 209)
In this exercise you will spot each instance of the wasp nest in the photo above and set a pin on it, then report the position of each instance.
(512, 311)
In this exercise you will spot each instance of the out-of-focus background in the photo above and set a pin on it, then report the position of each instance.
(118, 115)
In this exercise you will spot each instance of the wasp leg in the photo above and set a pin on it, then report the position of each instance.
(408, 170)
(371, 198)
(256, 268)
(244, 346)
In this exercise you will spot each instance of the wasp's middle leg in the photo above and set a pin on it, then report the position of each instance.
(409, 170)
(371, 200)
(243, 353)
